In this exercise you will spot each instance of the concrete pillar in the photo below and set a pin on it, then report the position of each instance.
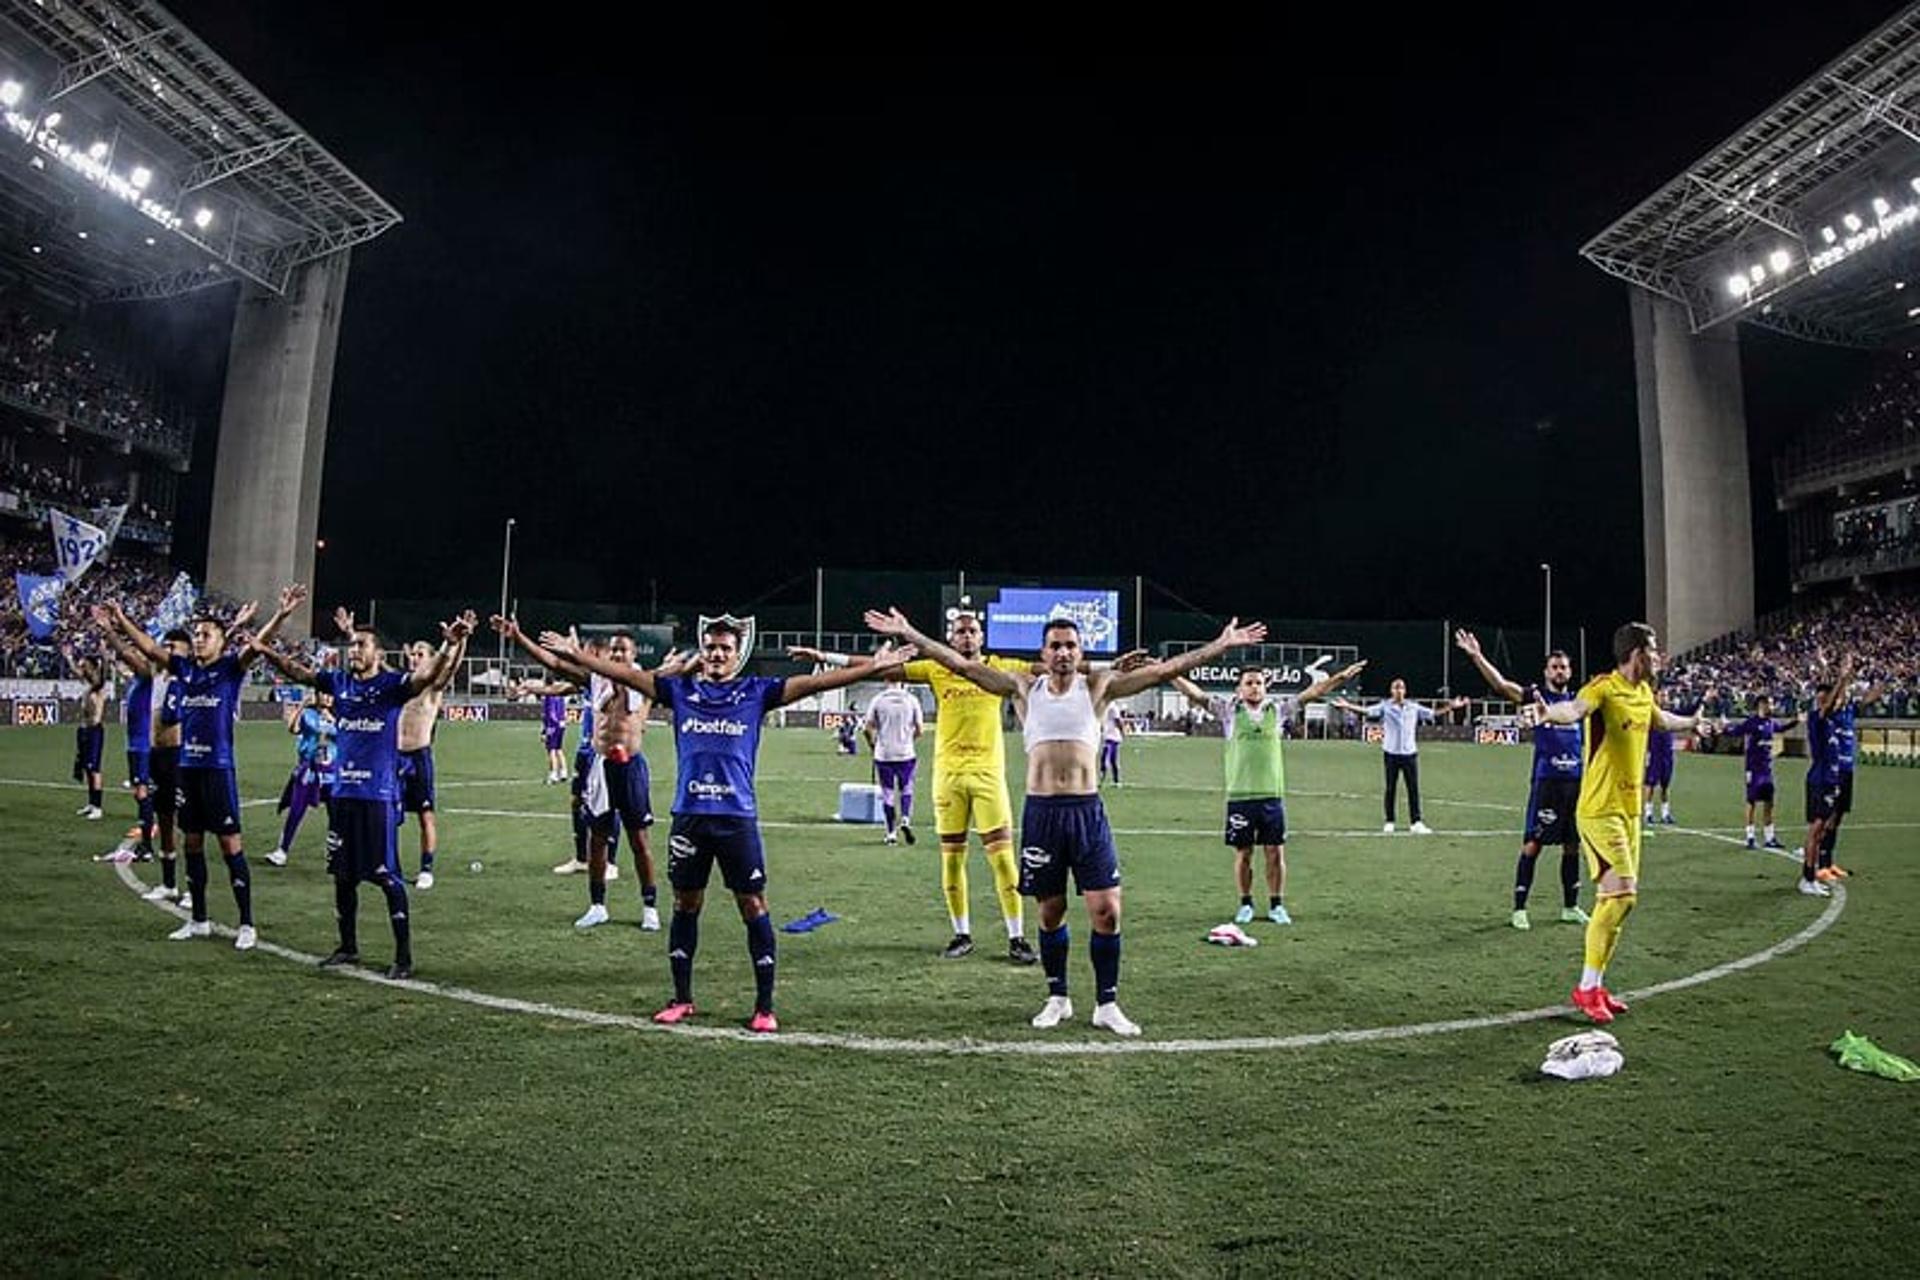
(1693, 475)
(273, 437)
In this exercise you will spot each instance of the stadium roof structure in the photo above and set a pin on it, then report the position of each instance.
(1806, 220)
(213, 181)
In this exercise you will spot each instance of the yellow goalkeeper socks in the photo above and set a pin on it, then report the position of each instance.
(1603, 930)
(953, 883)
(1006, 884)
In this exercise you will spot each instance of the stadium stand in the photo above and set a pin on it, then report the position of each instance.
(1850, 484)
(1784, 657)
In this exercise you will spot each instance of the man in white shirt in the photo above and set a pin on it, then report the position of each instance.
(891, 726)
(1400, 747)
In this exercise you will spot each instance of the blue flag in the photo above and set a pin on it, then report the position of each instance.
(179, 604)
(40, 602)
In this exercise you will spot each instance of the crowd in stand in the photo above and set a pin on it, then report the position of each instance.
(138, 581)
(1885, 414)
(70, 382)
(41, 487)
(1887, 532)
(1882, 631)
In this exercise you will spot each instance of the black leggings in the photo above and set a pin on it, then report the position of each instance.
(1396, 766)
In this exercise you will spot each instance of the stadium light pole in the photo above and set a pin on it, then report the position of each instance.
(506, 567)
(1547, 647)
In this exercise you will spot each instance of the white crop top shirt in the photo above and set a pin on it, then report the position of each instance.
(1066, 718)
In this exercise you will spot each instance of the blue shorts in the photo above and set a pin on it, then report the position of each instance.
(1550, 806)
(416, 780)
(630, 802)
(1659, 771)
(551, 735)
(698, 841)
(1822, 800)
(89, 744)
(1759, 788)
(165, 763)
(362, 840)
(209, 801)
(1059, 834)
(1252, 822)
(139, 769)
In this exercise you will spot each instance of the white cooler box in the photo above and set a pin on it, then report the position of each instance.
(860, 802)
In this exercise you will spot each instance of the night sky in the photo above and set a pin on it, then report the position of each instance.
(1299, 330)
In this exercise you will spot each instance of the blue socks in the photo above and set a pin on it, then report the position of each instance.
(197, 883)
(242, 889)
(346, 910)
(1053, 958)
(683, 939)
(760, 946)
(1105, 949)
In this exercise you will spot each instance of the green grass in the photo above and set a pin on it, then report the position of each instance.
(175, 1108)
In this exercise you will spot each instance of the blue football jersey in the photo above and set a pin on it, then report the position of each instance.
(716, 738)
(366, 733)
(1843, 736)
(139, 713)
(1556, 747)
(209, 699)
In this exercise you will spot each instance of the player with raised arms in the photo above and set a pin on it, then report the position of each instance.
(162, 763)
(1758, 730)
(1063, 829)
(209, 697)
(1554, 793)
(1254, 727)
(1615, 712)
(363, 817)
(969, 779)
(717, 715)
(90, 735)
(615, 790)
(417, 724)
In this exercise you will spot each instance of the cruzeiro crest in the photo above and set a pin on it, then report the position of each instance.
(747, 627)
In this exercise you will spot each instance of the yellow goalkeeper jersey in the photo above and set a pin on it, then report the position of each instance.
(967, 734)
(1615, 739)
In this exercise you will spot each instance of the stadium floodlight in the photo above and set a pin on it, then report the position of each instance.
(1912, 312)
(151, 240)
(1881, 207)
(36, 248)
(1737, 285)
(140, 177)
(53, 120)
(98, 150)
(1780, 260)
(203, 217)
(10, 93)
(1852, 221)
(83, 235)
(1899, 284)
(1829, 234)
(1757, 273)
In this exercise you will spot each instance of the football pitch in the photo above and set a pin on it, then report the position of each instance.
(1357, 1095)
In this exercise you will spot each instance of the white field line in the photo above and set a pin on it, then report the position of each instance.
(1026, 1048)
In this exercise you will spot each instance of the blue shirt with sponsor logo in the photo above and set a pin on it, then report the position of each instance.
(716, 738)
(1556, 747)
(209, 699)
(1823, 769)
(366, 733)
(140, 713)
(1843, 737)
